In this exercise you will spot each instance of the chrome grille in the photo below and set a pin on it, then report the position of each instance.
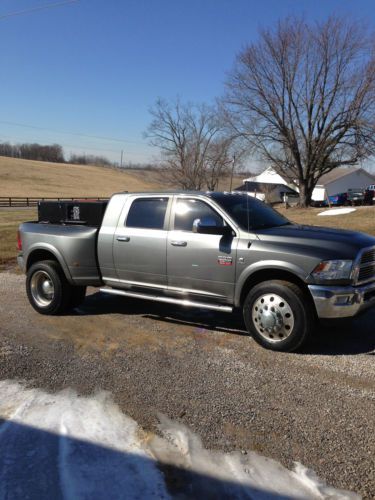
(366, 271)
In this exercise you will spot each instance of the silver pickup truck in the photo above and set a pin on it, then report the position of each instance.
(217, 251)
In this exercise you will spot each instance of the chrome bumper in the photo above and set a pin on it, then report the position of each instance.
(342, 302)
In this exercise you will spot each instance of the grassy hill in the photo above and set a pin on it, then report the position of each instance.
(42, 179)
(31, 178)
(34, 178)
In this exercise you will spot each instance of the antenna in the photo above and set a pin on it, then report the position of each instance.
(231, 175)
(247, 212)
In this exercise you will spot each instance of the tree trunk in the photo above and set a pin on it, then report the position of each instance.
(305, 193)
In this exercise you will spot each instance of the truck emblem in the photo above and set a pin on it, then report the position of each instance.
(76, 213)
(224, 260)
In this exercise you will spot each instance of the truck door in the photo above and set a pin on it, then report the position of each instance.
(201, 264)
(140, 240)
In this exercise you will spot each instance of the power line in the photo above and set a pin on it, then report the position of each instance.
(78, 134)
(35, 9)
(89, 148)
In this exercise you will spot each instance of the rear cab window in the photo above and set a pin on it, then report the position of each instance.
(147, 213)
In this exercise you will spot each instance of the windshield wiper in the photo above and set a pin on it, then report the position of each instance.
(269, 226)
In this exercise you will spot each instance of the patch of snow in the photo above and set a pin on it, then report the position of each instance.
(337, 211)
(251, 473)
(68, 446)
(71, 447)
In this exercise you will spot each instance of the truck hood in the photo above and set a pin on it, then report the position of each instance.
(322, 240)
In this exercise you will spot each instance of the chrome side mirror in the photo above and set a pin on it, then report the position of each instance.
(207, 225)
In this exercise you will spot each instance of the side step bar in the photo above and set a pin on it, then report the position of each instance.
(167, 300)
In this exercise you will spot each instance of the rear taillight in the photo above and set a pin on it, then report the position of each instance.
(19, 241)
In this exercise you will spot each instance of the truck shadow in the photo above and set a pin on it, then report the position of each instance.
(339, 337)
(99, 304)
(345, 336)
(40, 464)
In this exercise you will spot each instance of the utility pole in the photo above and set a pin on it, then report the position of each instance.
(231, 175)
(122, 152)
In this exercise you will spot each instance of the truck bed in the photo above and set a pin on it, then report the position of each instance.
(74, 246)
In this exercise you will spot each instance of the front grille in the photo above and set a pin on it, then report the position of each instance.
(367, 266)
(368, 256)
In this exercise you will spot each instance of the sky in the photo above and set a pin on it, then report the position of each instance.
(85, 73)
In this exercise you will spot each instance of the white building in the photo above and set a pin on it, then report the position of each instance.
(268, 176)
(337, 181)
(340, 180)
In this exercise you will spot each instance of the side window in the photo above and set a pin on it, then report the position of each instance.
(187, 211)
(147, 213)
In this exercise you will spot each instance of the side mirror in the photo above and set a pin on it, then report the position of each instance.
(208, 225)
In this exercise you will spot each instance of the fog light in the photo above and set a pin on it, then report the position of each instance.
(344, 300)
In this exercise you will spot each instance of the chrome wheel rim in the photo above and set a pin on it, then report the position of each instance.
(42, 289)
(273, 317)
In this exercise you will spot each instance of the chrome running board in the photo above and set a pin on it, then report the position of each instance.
(167, 300)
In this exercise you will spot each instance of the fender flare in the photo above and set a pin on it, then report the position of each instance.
(265, 265)
(47, 247)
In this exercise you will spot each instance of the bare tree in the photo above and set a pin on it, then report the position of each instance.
(219, 162)
(194, 150)
(34, 151)
(303, 96)
(83, 159)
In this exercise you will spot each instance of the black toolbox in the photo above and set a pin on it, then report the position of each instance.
(90, 213)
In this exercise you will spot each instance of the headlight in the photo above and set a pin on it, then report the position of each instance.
(333, 270)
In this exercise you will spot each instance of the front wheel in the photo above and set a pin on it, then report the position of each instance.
(279, 315)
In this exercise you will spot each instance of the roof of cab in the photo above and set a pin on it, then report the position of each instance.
(210, 194)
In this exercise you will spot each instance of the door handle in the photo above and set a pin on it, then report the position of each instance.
(179, 243)
(123, 238)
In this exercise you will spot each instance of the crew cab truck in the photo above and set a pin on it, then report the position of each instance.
(217, 251)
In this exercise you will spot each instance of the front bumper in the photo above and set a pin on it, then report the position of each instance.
(342, 302)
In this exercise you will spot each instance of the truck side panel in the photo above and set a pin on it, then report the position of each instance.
(73, 246)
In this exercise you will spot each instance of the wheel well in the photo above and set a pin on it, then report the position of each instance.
(271, 274)
(38, 255)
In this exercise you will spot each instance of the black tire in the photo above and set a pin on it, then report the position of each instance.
(292, 320)
(77, 296)
(42, 277)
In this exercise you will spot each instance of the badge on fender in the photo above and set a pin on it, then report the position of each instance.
(224, 260)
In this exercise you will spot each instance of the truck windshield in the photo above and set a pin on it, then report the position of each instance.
(248, 212)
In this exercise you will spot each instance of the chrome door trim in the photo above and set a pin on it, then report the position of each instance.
(162, 287)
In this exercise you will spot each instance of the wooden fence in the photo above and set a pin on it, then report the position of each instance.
(18, 201)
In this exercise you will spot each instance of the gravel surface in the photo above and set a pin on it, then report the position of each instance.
(200, 368)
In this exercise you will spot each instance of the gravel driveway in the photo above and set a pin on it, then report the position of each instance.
(200, 368)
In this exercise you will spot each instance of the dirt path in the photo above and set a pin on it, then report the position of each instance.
(201, 369)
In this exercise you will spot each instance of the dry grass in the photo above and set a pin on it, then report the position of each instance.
(363, 219)
(10, 219)
(33, 178)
